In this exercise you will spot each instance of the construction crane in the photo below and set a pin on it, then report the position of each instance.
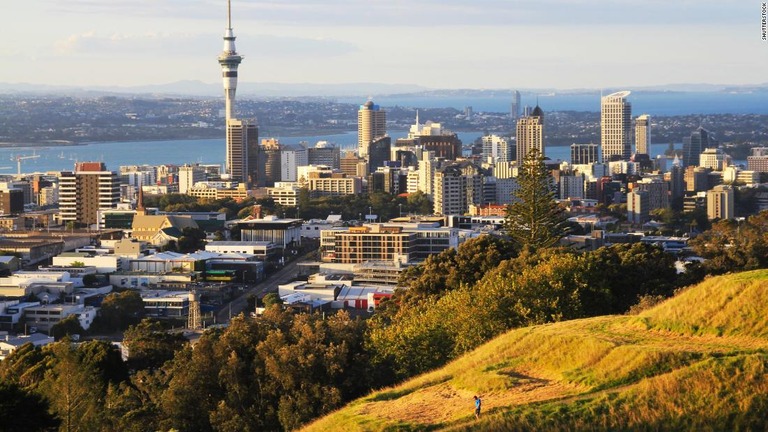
(21, 158)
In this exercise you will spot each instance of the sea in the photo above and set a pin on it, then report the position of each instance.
(178, 152)
(211, 151)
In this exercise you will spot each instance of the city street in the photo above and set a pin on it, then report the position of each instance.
(284, 275)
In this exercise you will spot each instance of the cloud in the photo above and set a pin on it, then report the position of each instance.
(426, 13)
(281, 46)
(185, 45)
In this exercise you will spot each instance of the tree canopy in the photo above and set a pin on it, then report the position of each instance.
(535, 219)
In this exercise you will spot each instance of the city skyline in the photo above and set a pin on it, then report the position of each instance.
(530, 44)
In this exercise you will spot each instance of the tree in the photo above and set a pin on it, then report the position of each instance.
(104, 359)
(90, 279)
(618, 276)
(419, 203)
(732, 245)
(77, 264)
(120, 310)
(67, 327)
(192, 239)
(23, 410)
(149, 346)
(26, 366)
(535, 219)
(73, 390)
(272, 299)
(449, 269)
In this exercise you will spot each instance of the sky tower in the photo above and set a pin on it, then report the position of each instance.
(229, 60)
(242, 137)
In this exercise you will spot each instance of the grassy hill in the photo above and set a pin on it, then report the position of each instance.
(698, 361)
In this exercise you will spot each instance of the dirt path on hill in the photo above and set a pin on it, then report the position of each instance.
(442, 403)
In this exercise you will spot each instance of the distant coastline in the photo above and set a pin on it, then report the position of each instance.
(47, 143)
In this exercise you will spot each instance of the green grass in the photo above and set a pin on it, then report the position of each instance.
(698, 361)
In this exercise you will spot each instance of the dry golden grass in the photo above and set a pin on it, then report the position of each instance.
(697, 359)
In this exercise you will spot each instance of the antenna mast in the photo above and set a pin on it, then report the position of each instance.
(229, 14)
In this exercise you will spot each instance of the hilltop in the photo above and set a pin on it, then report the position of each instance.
(696, 362)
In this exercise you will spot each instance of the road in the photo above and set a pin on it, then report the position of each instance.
(282, 276)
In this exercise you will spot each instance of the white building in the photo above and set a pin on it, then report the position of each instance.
(103, 263)
(623, 167)
(290, 160)
(412, 181)
(285, 193)
(189, 175)
(258, 249)
(643, 134)
(496, 148)
(12, 311)
(714, 158)
(616, 126)
(427, 167)
(571, 186)
(166, 304)
(734, 174)
(46, 316)
(9, 344)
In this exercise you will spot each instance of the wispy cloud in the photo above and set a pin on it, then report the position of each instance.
(427, 13)
(180, 44)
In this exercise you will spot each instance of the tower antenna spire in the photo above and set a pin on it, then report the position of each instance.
(229, 14)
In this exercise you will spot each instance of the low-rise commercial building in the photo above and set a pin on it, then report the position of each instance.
(45, 316)
(9, 344)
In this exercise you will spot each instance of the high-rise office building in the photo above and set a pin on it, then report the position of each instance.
(616, 126)
(324, 153)
(676, 184)
(530, 134)
(583, 154)
(696, 179)
(496, 148)
(353, 166)
(643, 134)
(658, 192)
(720, 202)
(371, 124)
(189, 175)
(638, 207)
(379, 153)
(269, 163)
(242, 151)
(514, 109)
(11, 201)
(456, 187)
(87, 190)
(290, 159)
(700, 140)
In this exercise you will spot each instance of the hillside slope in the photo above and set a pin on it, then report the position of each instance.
(696, 362)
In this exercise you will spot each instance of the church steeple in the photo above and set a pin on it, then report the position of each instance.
(140, 210)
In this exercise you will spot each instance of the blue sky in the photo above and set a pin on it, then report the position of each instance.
(434, 43)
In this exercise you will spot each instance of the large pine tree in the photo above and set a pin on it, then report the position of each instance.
(535, 219)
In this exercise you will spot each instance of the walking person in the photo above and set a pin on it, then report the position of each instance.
(478, 404)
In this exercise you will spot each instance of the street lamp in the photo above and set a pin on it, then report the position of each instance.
(400, 205)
